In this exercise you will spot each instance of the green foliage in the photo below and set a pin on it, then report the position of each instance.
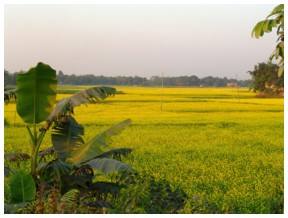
(52, 172)
(67, 142)
(265, 79)
(145, 194)
(69, 201)
(22, 187)
(36, 93)
(67, 136)
(264, 26)
(95, 145)
(91, 95)
(273, 20)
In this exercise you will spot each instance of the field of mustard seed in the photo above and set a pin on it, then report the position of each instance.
(222, 146)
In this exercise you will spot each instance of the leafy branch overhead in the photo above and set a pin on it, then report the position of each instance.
(274, 20)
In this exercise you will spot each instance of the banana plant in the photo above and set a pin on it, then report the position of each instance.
(36, 105)
(36, 96)
(73, 160)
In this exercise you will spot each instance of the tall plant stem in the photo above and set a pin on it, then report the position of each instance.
(36, 143)
(34, 148)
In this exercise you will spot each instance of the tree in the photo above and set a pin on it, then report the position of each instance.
(274, 20)
(265, 79)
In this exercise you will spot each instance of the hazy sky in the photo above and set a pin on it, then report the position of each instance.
(139, 40)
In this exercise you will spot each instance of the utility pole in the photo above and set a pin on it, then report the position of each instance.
(237, 86)
(162, 86)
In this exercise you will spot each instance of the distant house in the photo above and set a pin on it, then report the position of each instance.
(232, 84)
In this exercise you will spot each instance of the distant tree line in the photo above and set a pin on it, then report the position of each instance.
(209, 81)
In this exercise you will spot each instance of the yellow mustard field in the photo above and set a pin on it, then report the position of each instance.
(222, 146)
